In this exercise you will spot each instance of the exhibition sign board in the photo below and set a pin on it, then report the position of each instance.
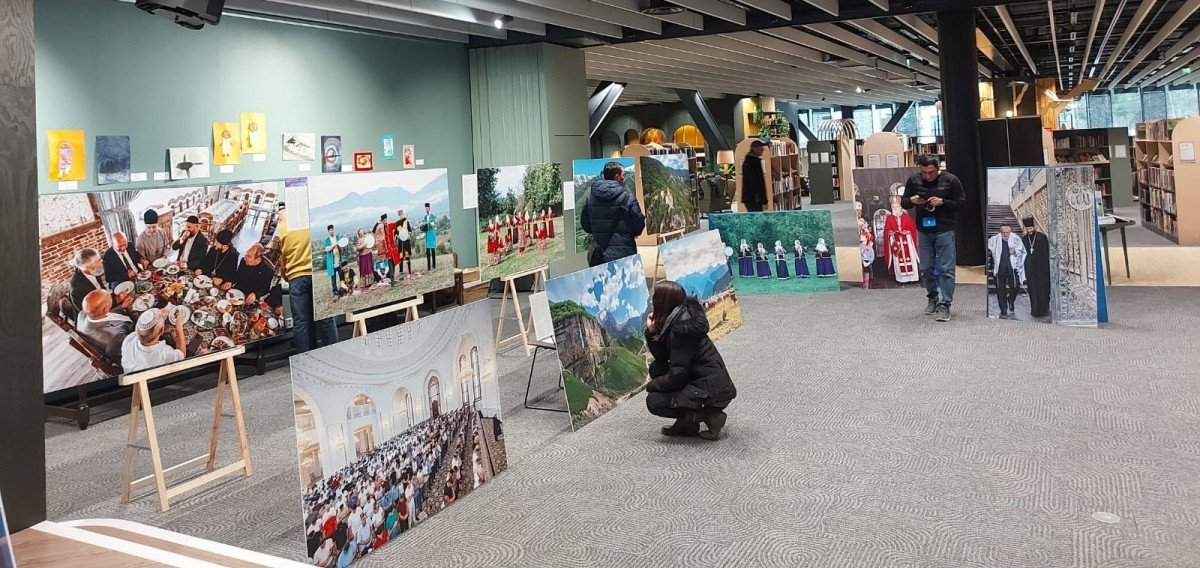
(698, 263)
(390, 239)
(393, 427)
(780, 252)
(599, 317)
(1042, 261)
(135, 279)
(586, 173)
(520, 218)
(887, 233)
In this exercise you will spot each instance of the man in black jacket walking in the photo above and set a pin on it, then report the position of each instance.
(936, 195)
(612, 217)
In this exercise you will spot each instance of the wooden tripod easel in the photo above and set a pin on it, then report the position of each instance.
(524, 322)
(359, 319)
(140, 412)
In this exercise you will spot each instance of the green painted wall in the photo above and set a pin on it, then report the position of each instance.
(109, 69)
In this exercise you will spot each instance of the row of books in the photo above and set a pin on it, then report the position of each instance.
(930, 149)
(1165, 223)
(1164, 200)
(1082, 141)
(783, 148)
(1158, 178)
(1157, 129)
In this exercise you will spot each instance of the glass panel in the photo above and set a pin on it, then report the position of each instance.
(1079, 112)
(801, 139)
(930, 122)
(909, 123)
(1126, 110)
(1182, 102)
(1099, 110)
(883, 113)
(1154, 104)
(864, 121)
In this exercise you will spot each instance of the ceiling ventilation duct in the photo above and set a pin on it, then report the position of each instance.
(659, 8)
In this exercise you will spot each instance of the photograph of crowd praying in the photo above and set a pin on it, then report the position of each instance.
(393, 427)
(378, 238)
(136, 279)
(780, 252)
(887, 234)
(520, 219)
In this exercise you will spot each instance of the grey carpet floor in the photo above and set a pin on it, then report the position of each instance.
(864, 435)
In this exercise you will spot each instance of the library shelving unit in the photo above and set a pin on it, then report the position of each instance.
(822, 172)
(781, 170)
(1168, 178)
(931, 145)
(1107, 151)
(886, 150)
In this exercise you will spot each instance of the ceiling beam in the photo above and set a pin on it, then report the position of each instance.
(1138, 17)
(777, 8)
(1095, 26)
(1151, 74)
(1054, 42)
(916, 24)
(1016, 35)
(366, 10)
(462, 14)
(687, 19)
(805, 38)
(543, 15)
(828, 6)
(852, 39)
(1172, 71)
(340, 21)
(716, 9)
(1184, 12)
(601, 13)
(989, 51)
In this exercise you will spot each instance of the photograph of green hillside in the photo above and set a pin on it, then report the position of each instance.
(585, 174)
(666, 195)
(599, 319)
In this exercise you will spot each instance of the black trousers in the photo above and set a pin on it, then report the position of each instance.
(1006, 289)
(754, 208)
(430, 259)
(659, 404)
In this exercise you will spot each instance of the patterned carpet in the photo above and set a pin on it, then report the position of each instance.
(864, 435)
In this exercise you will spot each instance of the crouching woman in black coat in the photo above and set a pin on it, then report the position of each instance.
(689, 381)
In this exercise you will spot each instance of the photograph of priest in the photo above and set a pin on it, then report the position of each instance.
(1037, 268)
(1008, 262)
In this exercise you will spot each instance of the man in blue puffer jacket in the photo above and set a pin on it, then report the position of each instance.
(612, 217)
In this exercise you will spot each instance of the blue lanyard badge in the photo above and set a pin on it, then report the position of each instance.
(930, 221)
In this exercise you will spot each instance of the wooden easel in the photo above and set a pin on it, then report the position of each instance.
(359, 319)
(663, 238)
(140, 410)
(524, 323)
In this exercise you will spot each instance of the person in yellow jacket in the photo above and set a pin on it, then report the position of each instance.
(297, 270)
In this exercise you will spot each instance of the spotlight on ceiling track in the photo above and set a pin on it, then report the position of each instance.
(502, 21)
(659, 8)
(858, 89)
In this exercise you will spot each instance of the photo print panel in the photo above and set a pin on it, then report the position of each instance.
(666, 194)
(411, 412)
(779, 252)
(599, 317)
(299, 146)
(254, 133)
(66, 154)
(331, 154)
(6, 553)
(188, 163)
(586, 174)
(1041, 246)
(699, 264)
(390, 239)
(887, 233)
(120, 286)
(112, 159)
(520, 217)
(227, 145)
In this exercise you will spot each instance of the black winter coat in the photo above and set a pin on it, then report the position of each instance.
(754, 185)
(686, 363)
(612, 216)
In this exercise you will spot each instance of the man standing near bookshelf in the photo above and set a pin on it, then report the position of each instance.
(1037, 268)
(936, 197)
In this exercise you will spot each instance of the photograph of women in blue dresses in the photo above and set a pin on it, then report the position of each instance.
(765, 263)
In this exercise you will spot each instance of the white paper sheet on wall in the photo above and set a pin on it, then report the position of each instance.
(872, 160)
(470, 188)
(260, 157)
(225, 169)
(297, 207)
(1120, 151)
(160, 176)
(543, 325)
(893, 160)
(569, 196)
(137, 176)
(1187, 151)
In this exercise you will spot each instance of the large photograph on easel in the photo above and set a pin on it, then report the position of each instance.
(136, 279)
(1041, 247)
(666, 193)
(887, 234)
(393, 427)
(599, 319)
(779, 252)
(520, 219)
(378, 238)
(587, 173)
(698, 264)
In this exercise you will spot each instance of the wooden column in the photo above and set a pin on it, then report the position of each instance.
(22, 454)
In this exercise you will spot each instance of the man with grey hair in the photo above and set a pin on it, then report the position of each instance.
(1008, 259)
(88, 275)
(145, 349)
(121, 262)
(101, 327)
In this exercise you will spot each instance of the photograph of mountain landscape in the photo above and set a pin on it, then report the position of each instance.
(599, 319)
(520, 219)
(698, 263)
(586, 173)
(666, 197)
(374, 256)
(779, 252)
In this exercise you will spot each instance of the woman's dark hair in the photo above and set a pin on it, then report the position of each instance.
(667, 296)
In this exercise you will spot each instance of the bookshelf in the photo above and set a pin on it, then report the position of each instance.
(886, 150)
(1107, 150)
(1168, 186)
(822, 172)
(781, 170)
(931, 145)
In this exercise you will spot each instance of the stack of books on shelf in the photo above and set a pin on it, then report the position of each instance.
(1158, 129)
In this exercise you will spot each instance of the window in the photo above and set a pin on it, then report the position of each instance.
(930, 117)
(883, 113)
(1182, 102)
(802, 117)
(909, 124)
(475, 373)
(864, 122)
(1154, 104)
(1099, 110)
(1127, 110)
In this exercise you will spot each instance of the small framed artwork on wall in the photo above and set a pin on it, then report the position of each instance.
(410, 156)
(389, 147)
(363, 162)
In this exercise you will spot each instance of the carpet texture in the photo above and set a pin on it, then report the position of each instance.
(865, 434)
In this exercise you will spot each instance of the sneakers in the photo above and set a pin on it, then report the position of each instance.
(943, 313)
(931, 308)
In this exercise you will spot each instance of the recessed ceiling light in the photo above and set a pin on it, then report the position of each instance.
(837, 91)
(858, 89)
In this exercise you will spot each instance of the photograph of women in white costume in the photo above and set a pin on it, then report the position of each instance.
(745, 260)
(825, 265)
(779, 251)
(781, 263)
(801, 260)
(761, 263)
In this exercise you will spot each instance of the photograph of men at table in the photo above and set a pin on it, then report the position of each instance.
(202, 275)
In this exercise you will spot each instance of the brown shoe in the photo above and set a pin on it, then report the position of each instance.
(715, 421)
(687, 425)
